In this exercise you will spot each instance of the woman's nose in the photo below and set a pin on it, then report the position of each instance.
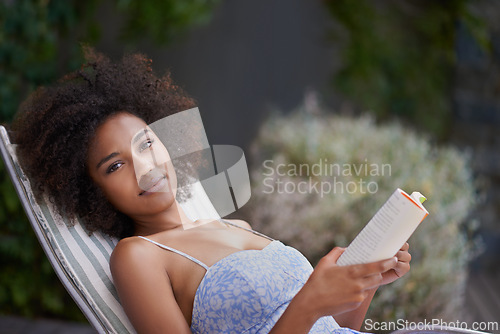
(142, 165)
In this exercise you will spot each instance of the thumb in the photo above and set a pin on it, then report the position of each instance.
(335, 253)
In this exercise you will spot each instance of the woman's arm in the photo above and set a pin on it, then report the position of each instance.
(332, 290)
(354, 318)
(145, 290)
(297, 318)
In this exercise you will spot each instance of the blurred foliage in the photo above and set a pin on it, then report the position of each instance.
(163, 20)
(40, 40)
(314, 220)
(399, 56)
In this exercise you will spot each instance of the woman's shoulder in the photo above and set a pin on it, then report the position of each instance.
(132, 252)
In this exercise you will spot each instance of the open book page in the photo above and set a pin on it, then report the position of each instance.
(387, 231)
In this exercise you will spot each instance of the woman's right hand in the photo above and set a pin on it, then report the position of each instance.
(332, 289)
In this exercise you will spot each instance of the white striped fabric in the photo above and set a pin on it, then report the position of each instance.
(83, 260)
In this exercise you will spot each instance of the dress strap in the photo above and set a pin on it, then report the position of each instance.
(177, 252)
(246, 229)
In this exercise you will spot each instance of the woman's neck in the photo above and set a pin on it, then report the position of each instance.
(172, 219)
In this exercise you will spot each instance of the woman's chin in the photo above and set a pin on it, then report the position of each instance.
(154, 202)
(163, 198)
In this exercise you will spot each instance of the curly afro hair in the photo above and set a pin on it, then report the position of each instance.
(55, 124)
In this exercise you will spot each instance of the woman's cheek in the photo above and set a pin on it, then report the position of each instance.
(120, 191)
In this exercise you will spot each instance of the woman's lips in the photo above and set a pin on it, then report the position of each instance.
(156, 185)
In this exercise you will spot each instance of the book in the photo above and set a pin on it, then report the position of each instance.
(388, 230)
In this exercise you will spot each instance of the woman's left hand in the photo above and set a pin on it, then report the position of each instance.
(401, 268)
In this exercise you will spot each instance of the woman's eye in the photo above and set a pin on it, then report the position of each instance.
(114, 167)
(145, 145)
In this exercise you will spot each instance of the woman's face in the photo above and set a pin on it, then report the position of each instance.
(132, 167)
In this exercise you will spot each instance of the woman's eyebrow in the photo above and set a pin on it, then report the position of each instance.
(106, 159)
(139, 135)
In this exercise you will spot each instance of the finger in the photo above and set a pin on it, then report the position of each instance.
(405, 247)
(335, 253)
(402, 268)
(367, 269)
(403, 256)
(372, 281)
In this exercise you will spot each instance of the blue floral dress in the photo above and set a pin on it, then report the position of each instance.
(248, 291)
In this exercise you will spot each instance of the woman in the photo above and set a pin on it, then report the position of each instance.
(214, 277)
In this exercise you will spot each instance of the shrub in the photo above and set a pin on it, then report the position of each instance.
(386, 157)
